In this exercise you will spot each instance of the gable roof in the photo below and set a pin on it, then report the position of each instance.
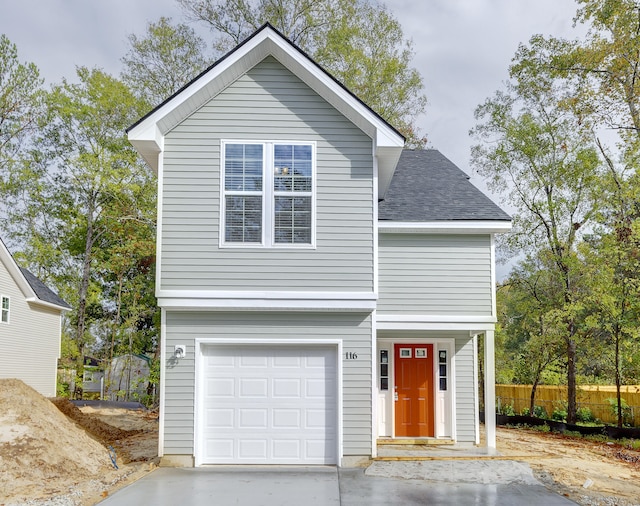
(42, 291)
(31, 287)
(147, 134)
(428, 187)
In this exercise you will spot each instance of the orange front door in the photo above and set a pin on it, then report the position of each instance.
(414, 404)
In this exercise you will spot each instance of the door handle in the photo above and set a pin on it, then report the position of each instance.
(395, 396)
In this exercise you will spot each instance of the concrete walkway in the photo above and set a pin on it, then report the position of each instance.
(499, 483)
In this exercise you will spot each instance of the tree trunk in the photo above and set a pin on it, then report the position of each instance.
(618, 379)
(571, 379)
(82, 302)
(532, 400)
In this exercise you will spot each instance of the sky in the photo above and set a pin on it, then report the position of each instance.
(462, 48)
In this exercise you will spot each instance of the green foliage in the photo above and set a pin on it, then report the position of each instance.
(159, 64)
(62, 389)
(559, 415)
(626, 410)
(585, 415)
(538, 412)
(20, 104)
(505, 409)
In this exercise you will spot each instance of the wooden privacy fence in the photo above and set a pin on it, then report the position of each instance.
(593, 397)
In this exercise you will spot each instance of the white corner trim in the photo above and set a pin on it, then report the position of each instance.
(163, 374)
(494, 304)
(445, 227)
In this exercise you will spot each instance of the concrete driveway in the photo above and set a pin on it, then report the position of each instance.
(500, 483)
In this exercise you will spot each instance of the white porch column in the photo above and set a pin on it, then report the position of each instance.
(489, 389)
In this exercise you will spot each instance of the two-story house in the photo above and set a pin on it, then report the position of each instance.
(320, 287)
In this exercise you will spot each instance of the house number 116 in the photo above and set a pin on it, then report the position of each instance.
(351, 355)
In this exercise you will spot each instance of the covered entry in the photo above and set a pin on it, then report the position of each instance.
(268, 404)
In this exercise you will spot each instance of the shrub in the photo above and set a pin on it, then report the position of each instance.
(585, 415)
(506, 409)
(538, 412)
(626, 410)
(559, 415)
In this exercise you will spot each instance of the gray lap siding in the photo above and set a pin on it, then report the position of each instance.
(267, 104)
(354, 329)
(435, 274)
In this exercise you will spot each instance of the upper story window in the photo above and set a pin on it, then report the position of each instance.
(268, 193)
(4, 310)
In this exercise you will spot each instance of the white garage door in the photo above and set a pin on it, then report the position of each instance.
(272, 404)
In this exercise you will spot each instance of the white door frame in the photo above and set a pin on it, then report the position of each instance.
(438, 344)
(200, 343)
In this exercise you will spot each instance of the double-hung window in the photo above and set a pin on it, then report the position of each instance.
(268, 194)
(4, 310)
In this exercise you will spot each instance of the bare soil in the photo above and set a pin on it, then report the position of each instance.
(586, 471)
(47, 457)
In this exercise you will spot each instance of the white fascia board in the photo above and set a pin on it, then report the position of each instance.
(265, 305)
(147, 136)
(412, 318)
(470, 327)
(50, 305)
(445, 227)
(147, 139)
(323, 84)
(271, 294)
(387, 158)
(271, 300)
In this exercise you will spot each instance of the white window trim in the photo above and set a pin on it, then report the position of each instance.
(268, 196)
(2, 310)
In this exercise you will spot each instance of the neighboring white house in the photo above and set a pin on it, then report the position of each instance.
(320, 286)
(30, 327)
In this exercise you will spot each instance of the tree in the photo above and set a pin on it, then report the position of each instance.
(528, 318)
(358, 41)
(604, 68)
(20, 107)
(79, 169)
(540, 154)
(606, 64)
(158, 65)
(20, 100)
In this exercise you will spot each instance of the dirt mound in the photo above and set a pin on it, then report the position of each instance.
(42, 453)
(102, 431)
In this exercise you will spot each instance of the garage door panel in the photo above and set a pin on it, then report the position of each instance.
(253, 387)
(286, 362)
(220, 418)
(286, 388)
(221, 387)
(253, 419)
(252, 361)
(286, 418)
(286, 448)
(276, 404)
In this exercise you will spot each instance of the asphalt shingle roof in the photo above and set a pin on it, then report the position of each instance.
(427, 186)
(43, 292)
